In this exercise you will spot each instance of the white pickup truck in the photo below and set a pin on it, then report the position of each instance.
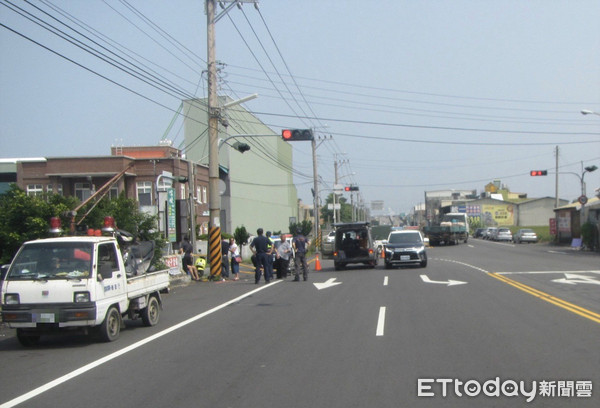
(77, 283)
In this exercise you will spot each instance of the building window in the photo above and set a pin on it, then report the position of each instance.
(182, 191)
(198, 196)
(144, 192)
(164, 184)
(35, 189)
(113, 193)
(204, 200)
(83, 191)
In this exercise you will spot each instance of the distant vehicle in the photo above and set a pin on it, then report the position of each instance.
(328, 243)
(405, 247)
(453, 228)
(479, 233)
(503, 234)
(354, 244)
(489, 232)
(525, 235)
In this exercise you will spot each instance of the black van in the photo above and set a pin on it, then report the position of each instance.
(354, 244)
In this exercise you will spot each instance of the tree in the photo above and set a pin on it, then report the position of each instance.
(27, 217)
(304, 228)
(241, 236)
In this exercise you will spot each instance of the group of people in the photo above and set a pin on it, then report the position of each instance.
(262, 247)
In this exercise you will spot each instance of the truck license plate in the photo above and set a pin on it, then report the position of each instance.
(43, 318)
(405, 257)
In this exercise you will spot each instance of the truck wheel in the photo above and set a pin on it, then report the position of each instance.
(27, 340)
(111, 326)
(424, 263)
(151, 313)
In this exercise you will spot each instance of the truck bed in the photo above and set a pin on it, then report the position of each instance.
(147, 283)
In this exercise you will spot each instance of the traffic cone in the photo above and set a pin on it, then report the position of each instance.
(317, 264)
(382, 253)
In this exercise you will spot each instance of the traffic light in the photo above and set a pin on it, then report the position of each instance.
(538, 173)
(351, 188)
(290, 135)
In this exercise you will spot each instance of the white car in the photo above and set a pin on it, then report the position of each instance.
(328, 243)
(405, 247)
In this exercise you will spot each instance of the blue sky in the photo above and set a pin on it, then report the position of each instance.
(410, 96)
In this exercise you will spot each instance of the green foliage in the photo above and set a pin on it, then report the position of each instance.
(305, 227)
(241, 236)
(589, 235)
(26, 218)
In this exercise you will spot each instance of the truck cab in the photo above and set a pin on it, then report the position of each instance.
(354, 244)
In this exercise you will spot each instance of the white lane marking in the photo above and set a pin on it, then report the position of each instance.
(106, 359)
(385, 281)
(380, 321)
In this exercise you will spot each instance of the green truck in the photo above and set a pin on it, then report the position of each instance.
(453, 228)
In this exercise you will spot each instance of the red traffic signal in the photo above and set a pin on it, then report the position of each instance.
(347, 188)
(538, 173)
(290, 135)
(351, 188)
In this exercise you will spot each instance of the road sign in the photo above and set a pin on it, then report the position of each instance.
(582, 200)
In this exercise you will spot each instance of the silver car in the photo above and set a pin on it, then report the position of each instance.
(525, 235)
(503, 234)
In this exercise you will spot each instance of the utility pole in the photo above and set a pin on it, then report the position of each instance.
(214, 204)
(335, 167)
(316, 197)
(556, 180)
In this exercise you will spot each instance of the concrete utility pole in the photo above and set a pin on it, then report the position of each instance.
(214, 199)
(316, 197)
(214, 116)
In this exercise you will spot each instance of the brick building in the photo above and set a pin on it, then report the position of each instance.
(149, 172)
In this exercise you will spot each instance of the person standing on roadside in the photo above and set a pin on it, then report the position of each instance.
(270, 247)
(235, 253)
(300, 244)
(260, 248)
(284, 252)
(224, 258)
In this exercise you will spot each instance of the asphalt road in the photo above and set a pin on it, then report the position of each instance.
(525, 316)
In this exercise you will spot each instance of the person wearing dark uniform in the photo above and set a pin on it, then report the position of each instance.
(300, 244)
(224, 258)
(260, 247)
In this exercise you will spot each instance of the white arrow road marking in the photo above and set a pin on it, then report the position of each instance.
(449, 282)
(573, 279)
(324, 285)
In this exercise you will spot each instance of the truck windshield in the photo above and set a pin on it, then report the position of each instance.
(43, 261)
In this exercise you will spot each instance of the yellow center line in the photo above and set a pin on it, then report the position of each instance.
(588, 314)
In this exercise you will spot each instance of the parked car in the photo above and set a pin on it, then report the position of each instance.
(489, 232)
(405, 247)
(478, 233)
(525, 235)
(328, 243)
(503, 234)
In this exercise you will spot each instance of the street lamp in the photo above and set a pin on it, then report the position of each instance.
(589, 112)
